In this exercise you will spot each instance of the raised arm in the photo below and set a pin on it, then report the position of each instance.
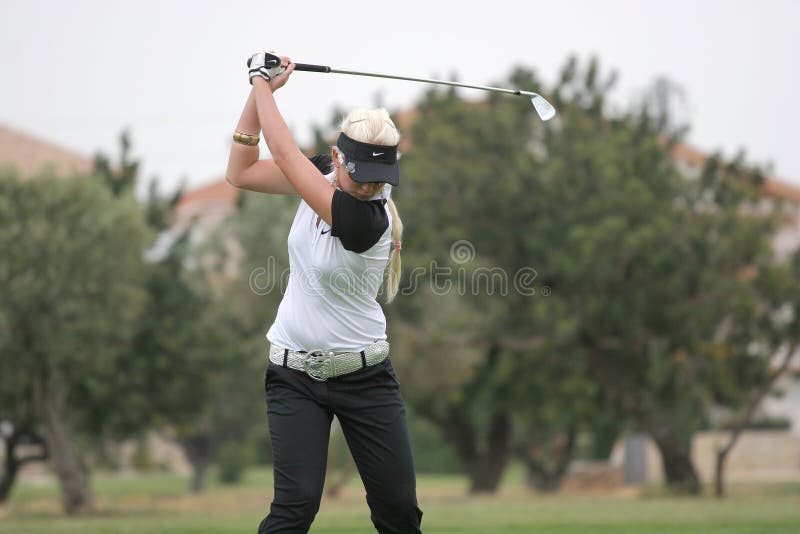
(301, 173)
(245, 170)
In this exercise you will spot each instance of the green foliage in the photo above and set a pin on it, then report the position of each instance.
(70, 280)
(159, 211)
(241, 270)
(650, 264)
(644, 266)
(176, 352)
(431, 453)
(142, 459)
(122, 179)
(475, 173)
(233, 458)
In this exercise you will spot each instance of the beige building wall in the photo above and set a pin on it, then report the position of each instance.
(759, 456)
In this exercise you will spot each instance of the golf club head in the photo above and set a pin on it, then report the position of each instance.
(543, 108)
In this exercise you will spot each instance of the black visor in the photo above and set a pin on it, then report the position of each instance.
(370, 163)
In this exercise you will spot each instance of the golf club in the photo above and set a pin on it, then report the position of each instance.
(542, 106)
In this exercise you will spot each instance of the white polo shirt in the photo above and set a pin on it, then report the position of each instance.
(335, 274)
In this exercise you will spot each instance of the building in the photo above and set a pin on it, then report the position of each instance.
(32, 155)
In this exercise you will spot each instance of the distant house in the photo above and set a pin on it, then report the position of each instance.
(32, 155)
(206, 206)
(198, 211)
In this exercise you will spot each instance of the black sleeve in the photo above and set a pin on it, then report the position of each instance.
(359, 224)
(323, 162)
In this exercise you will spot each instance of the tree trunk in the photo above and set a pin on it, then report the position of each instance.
(539, 477)
(677, 460)
(198, 448)
(750, 409)
(719, 473)
(71, 470)
(485, 474)
(18, 437)
(12, 465)
(675, 450)
(484, 465)
(341, 467)
(199, 471)
(486, 470)
(335, 482)
(543, 481)
(9, 476)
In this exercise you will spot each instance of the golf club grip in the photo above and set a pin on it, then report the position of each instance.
(311, 68)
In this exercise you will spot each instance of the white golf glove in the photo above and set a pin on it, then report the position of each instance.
(264, 64)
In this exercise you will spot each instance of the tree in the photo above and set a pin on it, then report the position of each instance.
(120, 180)
(466, 342)
(761, 341)
(18, 425)
(547, 426)
(650, 261)
(243, 267)
(643, 265)
(71, 292)
(183, 351)
(178, 352)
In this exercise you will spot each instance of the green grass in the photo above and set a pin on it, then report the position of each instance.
(157, 503)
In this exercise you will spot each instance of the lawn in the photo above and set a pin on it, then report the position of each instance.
(149, 504)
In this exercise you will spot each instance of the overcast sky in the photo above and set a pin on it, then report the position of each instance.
(78, 72)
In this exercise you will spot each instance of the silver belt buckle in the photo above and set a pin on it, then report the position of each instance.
(318, 364)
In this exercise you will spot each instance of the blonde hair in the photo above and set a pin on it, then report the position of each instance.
(375, 126)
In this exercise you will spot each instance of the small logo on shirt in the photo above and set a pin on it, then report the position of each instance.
(325, 231)
(375, 154)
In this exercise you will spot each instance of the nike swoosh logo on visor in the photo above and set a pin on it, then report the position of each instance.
(375, 154)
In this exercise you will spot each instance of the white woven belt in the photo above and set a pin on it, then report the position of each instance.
(324, 364)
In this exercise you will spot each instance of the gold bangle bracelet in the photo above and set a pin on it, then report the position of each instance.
(245, 139)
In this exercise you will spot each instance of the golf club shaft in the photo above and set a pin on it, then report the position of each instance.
(325, 69)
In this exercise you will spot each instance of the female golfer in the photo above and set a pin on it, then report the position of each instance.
(328, 349)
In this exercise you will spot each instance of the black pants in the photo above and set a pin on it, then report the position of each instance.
(370, 409)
